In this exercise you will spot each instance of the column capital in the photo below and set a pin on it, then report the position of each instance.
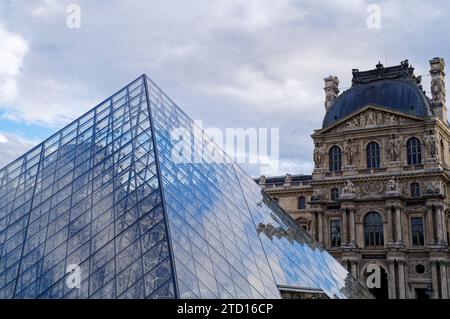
(439, 260)
(434, 204)
(402, 261)
(390, 261)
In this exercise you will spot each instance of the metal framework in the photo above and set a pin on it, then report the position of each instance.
(105, 194)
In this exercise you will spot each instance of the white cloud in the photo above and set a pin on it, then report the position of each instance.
(13, 50)
(51, 103)
(230, 63)
(12, 146)
(45, 9)
(3, 139)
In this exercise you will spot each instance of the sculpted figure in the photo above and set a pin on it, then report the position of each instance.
(362, 120)
(394, 147)
(431, 143)
(318, 155)
(392, 185)
(351, 150)
(370, 118)
(349, 188)
(380, 118)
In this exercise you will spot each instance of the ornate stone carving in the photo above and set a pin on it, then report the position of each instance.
(394, 148)
(331, 90)
(351, 151)
(262, 180)
(392, 186)
(433, 187)
(373, 118)
(370, 118)
(391, 120)
(316, 195)
(431, 144)
(372, 188)
(349, 189)
(319, 154)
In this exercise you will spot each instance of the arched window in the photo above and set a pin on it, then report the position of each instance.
(415, 189)
(373, 229)
(414, 151)
(301, 202)
(335, 159)
(373, 155)
(334, 194)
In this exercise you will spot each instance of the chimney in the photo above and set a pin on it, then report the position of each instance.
(437, 73)
(331, 90)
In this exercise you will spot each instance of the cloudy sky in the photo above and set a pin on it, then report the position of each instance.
(229, 63)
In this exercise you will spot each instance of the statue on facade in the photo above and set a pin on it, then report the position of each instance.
(370, 118)
(316, 195)
(394, 148)
(262, 180)
(318, 155)
(362, 121)
(433, 187)
(351, 151)
(391, 120)
(379, 118)
(349, 189)
(392, 185)
(431, 144)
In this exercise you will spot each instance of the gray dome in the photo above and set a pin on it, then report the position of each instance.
(402, 95)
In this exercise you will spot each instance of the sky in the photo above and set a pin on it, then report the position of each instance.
(228, 63)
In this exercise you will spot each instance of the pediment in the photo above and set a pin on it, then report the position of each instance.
(372, 116)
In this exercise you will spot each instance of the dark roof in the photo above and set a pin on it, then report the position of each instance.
(281, 179)
(395, 88)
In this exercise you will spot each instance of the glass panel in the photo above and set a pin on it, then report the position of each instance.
(62, 206)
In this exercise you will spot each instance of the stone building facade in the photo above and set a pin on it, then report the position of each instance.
(379, 192)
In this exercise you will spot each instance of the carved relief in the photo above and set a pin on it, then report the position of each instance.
(374, 118)
(349, 189)
(319, 154)
(394, 148)
(392, 185)
(431, 144)
(372, 188)
(434, 187)
(351, 151)
(317, 195)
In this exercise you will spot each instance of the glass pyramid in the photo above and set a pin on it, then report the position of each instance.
(106, 195)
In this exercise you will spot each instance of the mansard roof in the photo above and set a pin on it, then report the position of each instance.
(395, 88)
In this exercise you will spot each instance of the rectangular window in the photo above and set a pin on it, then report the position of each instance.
(335, 233)
(417, 231)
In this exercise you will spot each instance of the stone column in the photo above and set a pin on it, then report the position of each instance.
(401, 279)
(448, 279)
(314, 225)
(352, 226)
(392, 280)
(344, 226)
(430, 226)
(444, 281)
(440, 234)
(444, 225)
(354, 269)
(390, 231)
(398, 224)
(320, 228)
(434, 279)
